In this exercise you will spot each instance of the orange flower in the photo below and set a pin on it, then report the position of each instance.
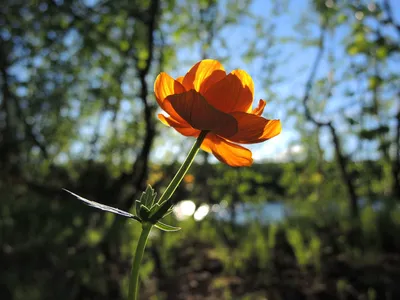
(206, 98)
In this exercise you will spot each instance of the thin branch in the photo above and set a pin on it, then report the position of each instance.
(311, 78)
(139, 169)
(141, 163)
(6, 93)
(29, 129)
(341, 159)
(396, 165)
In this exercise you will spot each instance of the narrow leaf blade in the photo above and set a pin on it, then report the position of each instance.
(165, 227)
(103, 206)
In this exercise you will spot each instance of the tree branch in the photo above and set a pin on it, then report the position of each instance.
(5, 137)
(341, 159)
(396, 165)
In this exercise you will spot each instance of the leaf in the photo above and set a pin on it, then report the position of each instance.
(374, 82)
(157, 211)
(137, 207)
(148, 196)
(165, 227)
(370, 134)
(168, 212)
(104, 207)
(154, 208)
(124, 45)
(353, 50)
(382, 52)
(352, 121)
(144, 213)
(341, 18)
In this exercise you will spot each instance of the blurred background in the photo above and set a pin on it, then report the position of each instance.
(316, 217)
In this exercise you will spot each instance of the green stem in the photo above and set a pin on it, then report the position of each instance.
(165, 205)
(169, 191)
(183, 169)
(134, 281)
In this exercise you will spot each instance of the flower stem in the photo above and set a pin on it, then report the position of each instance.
(169, 191)
(165, 205)
(134, 281)
(183, 169)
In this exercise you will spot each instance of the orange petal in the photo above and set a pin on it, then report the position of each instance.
(180, 79)
(227, 152)
(254, 129)
(164, 86)
(203, 75)
(184, 129)
(195, 110)
(260, 108)
(171, 111)
(233, 93)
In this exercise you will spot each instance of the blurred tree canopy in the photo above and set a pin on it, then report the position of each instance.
(77, 111)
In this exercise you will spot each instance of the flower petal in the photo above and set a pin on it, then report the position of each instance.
(254, 129)
(164, 86)
(260, 108)
(180, 79)
(203, 75)
(194, 109)
(171, 111)
(184, 129)
(233, 93)
(227, 152)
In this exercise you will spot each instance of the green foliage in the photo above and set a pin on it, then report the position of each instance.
(166, 227)
(295, 238)
(77, 111)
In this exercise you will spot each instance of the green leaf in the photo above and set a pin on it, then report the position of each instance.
(158, 211)
(370, 134)
(382, 52)
(103, 206)
(359, 38)
(144, 213)
(154, 208)
(166, 227)
(341, 19)
(124, 45)
(352, 121)
(374, 82)
(137, 207)
(148, 197)
(168, 212)
(353, 50)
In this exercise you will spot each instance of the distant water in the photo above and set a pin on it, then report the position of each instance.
(277, 211)
(244, 212)
(248, 212)
(265, 213)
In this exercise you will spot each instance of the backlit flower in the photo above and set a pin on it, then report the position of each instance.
(207, 98)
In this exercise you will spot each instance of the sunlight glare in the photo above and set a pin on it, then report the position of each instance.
(201, 212)
(184, 209)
